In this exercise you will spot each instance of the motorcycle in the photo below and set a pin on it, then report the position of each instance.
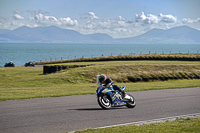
(10, 64)
(108, 97)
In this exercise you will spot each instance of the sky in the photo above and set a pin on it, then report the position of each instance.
(117, 18)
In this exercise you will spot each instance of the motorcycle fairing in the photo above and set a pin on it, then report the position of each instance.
(114, 95)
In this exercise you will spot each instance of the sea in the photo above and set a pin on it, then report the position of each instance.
(21, 53)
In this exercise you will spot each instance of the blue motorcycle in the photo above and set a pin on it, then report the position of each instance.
(108, 97)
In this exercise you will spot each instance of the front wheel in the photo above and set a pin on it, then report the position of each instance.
(131, 103)
(104, 101)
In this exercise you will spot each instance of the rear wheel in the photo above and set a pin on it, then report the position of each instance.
(131, 103)
(104, 101)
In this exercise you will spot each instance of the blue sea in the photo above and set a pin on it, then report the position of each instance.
(19, 54)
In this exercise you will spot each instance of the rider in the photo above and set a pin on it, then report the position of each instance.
(107, 82)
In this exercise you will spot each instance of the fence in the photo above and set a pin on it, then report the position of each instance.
(112, 54)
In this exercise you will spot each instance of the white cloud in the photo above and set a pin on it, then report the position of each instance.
(92, 15)
(190, 20)
(50, 18)
(38, 16)
(149, 19)
(121, 29)
(167, 18)
(17, 16)
(68, 21)
(140, 17)
(120, 18)
(153, 19)
(122, 23)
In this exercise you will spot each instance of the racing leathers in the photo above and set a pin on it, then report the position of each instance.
(108, 82)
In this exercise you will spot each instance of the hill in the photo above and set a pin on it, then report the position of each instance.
(50, 34)
(177, 35)
(53, 34)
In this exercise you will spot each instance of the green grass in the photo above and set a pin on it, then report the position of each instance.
(29, 82)
(182, 125)
(123, 71)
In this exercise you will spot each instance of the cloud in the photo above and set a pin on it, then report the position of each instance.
(50, 18)
(18, 17)
(149, 19)
(167, 18)
(92, 15)
(68, 21)
(190, 20)
(38, 16)
(120, 18)
(153, 19)
(140, 17)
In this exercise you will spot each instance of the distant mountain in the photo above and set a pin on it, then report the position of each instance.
(53, 34)
(50, 34)
(3, 31)
(177, 35)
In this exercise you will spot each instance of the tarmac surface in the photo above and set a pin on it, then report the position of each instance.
(72, 113)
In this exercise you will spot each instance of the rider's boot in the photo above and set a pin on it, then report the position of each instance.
(123, 95)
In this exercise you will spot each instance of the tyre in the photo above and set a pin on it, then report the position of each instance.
(131, 103)
(104, 101)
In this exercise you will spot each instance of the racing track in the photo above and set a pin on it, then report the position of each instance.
(70, 113)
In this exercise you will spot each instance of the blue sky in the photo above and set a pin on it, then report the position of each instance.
(117, 18)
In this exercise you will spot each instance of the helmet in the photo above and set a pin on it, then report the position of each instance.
(102, 78)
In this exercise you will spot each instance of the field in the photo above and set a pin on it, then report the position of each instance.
(30, 82)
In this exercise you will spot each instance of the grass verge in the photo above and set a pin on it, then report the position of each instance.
(182, 125)
(29, 82)
(178, 57)
(53, 90)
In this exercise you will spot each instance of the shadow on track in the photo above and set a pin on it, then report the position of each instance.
(94, 109)
(87, 109)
